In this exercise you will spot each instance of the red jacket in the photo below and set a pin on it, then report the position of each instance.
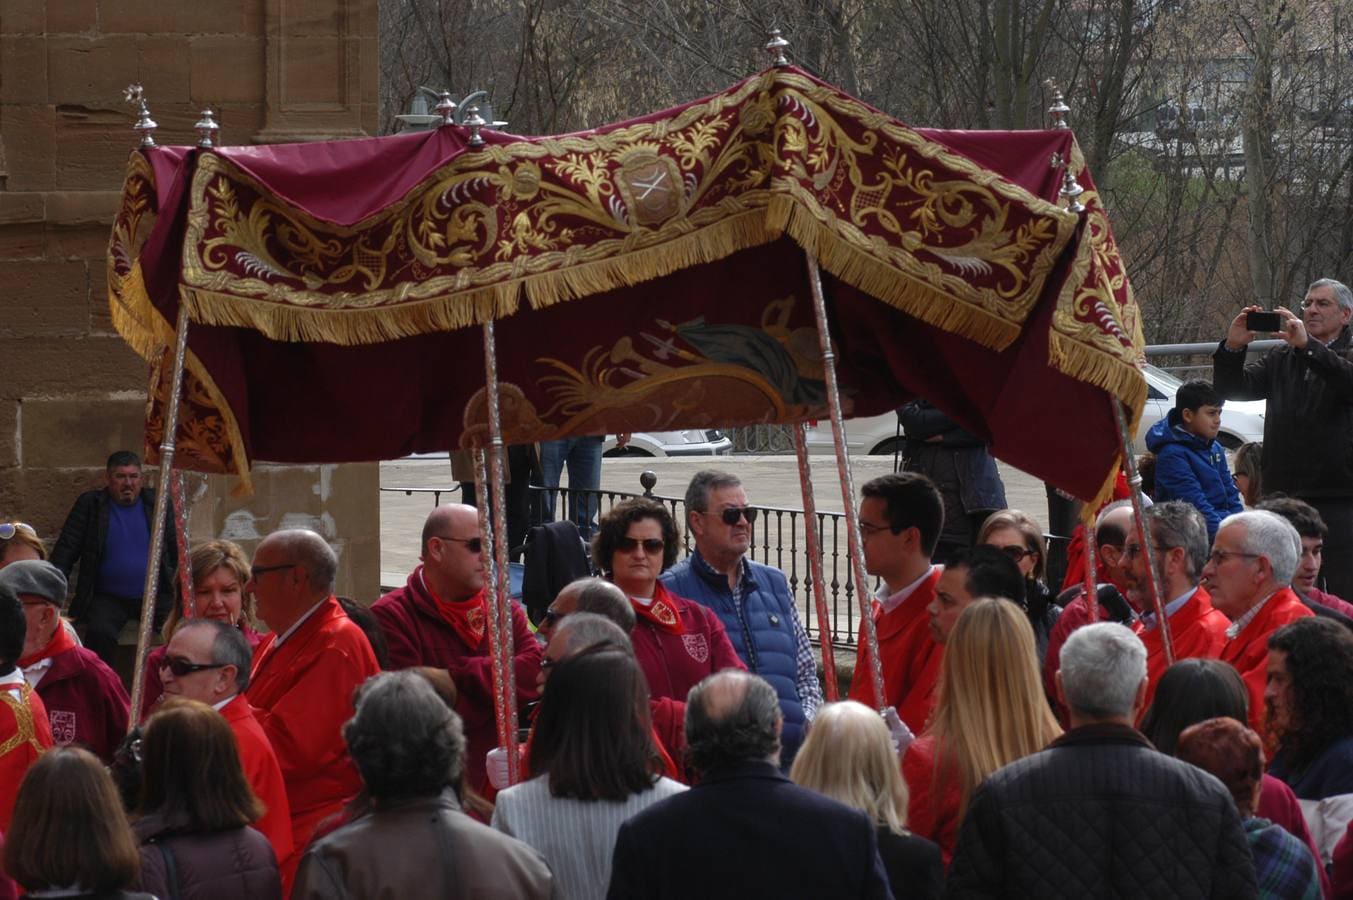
(1197, 630)
(932, 807)
(417, 634)
(911, 657)
(674, 663)
(301, 693)
(263, 773)
(1248, 651)
(153, 688)
(86, 702)
(24, 736)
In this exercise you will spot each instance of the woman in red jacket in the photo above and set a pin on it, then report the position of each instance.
(991, 711)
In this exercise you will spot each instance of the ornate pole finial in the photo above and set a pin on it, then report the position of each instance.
(446, 108)
(775, 46)
(1071, 191)
(1058, 110)
(135, 95)
(474, 121)
(207, 129)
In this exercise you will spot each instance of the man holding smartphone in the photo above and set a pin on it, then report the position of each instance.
(1308, 426)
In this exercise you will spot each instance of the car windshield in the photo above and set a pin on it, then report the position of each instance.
(1161, 379)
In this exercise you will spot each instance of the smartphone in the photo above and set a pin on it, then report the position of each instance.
(1264, 321)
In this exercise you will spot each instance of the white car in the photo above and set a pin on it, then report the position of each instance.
(691, 442)
(1242, 421)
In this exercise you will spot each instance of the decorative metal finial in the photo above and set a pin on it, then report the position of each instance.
(1071, 191)
(135, 95)
(775, 46)
(474, 121)
(207, 130)
(446, 107)
(1058, 110)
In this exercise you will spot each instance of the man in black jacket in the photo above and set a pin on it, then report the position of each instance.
(1102, 813)
(108, 535)
(1308, 426)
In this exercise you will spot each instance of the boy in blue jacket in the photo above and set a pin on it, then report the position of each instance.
(1190, 464)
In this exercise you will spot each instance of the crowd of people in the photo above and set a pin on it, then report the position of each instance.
(1187, 734)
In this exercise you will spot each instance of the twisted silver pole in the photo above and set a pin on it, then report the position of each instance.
(495, 626)
(152, 584)
(1143, 533)
(817, 583)
(847, 482)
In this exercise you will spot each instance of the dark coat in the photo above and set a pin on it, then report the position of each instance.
(1101, 813)
(747, 831)
(913, 865)
(83, 537)
(958, 460)
(1308, 425)
(219, 865)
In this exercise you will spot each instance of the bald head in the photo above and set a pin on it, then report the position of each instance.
(732, 717)
(453, 518)
(583, 629)
(310, 552)
(453, 562)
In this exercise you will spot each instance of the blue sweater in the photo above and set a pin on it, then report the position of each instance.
(761, 629)
(1191, 469)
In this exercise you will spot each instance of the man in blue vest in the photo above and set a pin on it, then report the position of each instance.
(752, 600)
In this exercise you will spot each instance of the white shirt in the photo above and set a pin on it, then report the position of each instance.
(891, 603)
(33, 674)
(222, 704)
(1235, 628)
(298, 623)
(1149, 617)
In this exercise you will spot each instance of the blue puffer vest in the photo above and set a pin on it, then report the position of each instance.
(761, 629)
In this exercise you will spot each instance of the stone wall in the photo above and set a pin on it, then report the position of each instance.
(70, 390)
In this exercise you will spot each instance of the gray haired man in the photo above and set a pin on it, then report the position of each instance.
(1143, 824)
(1308, 426)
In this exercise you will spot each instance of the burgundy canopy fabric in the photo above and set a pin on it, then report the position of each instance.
(647, 275)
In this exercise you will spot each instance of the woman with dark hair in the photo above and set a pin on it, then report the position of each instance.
(593, 765)
(70, 837)
(1247, 473)
(219, 572)
(1233, 753)
(1195, 690)
(677, 641)
(1018, 536)
(196, 806)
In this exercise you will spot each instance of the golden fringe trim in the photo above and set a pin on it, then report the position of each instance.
(1122, 380)
(887, 284)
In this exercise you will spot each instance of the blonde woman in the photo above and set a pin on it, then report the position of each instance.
(849, 757)
(990, 711)
(1018, 536)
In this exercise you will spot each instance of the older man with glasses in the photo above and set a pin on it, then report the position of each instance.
(440, 619)
(303, 677)
(1249, 576)
(752, 600)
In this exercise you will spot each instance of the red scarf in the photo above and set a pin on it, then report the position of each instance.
(467, 617)
(60, 643)
(662, 612)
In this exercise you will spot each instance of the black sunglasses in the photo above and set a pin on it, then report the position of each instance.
(1016, 552)
(651, 545)
(474, 544)
(181, 667)
(731, 514)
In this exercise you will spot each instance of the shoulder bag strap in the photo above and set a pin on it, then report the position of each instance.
(171, 870)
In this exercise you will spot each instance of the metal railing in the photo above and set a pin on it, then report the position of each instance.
(1167, 354)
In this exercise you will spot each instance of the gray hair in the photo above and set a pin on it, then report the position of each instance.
(597, 595)
(312, 553)
(579, 630)
(731, 717)
(1176, 523)
(229, 647)
(706, 480)
(1102, 667)
(1271, 536)
(405, 741)
(1342, 295)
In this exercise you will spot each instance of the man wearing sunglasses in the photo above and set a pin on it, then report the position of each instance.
(752, 600)
(107, 534)
(86, 702)
(209, 662)
(440, 619)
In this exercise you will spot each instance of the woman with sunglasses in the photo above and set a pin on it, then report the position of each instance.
(219, 571)
(1018, 536)
(677, 641)
(19, 541)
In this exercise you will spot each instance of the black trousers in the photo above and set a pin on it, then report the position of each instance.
(107, 617)
(1336, 572)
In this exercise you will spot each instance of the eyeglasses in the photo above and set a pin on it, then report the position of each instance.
(1217, 557)
(550, 618)
(1016, 552)
(651, 545)
(546, 663)
(868, 528)
(732, 514)
(263, 570)
(1132, 550)
(9, 529)
(181, 667)
(474, 544)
